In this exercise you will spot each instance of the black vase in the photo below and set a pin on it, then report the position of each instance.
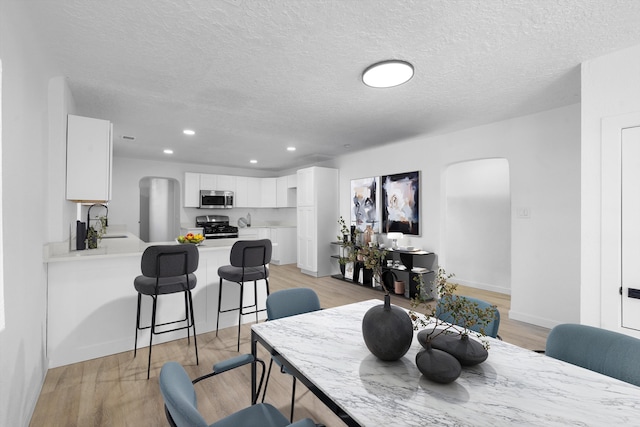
(387, 331)
(468, 351)
(437, 365)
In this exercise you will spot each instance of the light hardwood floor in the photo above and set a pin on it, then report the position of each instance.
(114, 391)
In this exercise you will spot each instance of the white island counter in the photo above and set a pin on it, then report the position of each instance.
(92, 302)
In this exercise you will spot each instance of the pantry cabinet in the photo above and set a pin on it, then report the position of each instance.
(89, 159)
(317, 213)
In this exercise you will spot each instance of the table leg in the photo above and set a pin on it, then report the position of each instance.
(254, 353)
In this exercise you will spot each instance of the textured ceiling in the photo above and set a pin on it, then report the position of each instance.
(254, 76)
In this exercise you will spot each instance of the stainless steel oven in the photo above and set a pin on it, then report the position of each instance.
(215, 199)
(217, 227)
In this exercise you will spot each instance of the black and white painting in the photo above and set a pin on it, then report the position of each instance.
(400, 203)
(365, 210)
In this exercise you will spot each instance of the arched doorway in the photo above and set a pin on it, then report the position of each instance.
(477, 236)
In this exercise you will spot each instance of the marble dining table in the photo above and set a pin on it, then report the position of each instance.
(514, 386)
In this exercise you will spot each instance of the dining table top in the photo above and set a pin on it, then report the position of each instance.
(514, 386)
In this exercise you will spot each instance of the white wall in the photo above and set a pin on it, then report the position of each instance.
(543, 151)
(60, 212)
(477, 225)
(610, 91)
(25, 75)
(124, 208)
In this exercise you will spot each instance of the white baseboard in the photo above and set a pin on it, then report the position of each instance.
(483, 286)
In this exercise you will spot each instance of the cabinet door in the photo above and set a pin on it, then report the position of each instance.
(191, 190)
(208, 181)
(254, 198)
(292, 181)
(307, 259)
(268, 192)
(281, 192)
(226, 183)
(241, 197)
(287, 247)
(305, 180)
(89, 150)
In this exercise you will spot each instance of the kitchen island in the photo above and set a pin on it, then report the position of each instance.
(91, 301)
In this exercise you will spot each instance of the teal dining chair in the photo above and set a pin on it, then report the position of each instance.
(490, 329)
(181, 406)
(286, 303)
(607, 352)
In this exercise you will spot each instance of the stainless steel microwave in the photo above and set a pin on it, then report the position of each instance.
(215, 199)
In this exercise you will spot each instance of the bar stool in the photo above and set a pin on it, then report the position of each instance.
(167, 269)
(249, 259)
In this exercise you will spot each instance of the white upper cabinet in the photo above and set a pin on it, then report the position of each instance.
(208, 181)
(268, 192)
(225, 183)
(306, 187)
(89, 157)
(286, 191)
(249, 192)
(191, 190)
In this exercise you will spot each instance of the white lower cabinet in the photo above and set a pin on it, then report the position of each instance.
(285, 252)
(282, 238)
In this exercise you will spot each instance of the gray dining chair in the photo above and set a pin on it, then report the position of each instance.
(286, 303)
(249, 259)
(167, 269)
(181, 403)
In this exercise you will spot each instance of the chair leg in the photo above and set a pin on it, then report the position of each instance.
(293, 397)
(266, 383)
(186, 316)
(255, 297)
(219, 302)
(153, 331)
(135, 344)
(193, 323)
(240, 312)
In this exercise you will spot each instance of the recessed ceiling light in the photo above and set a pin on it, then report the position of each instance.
(291, 148)
(253, 161)
(189, 132)
(167, 151)
(388, 73)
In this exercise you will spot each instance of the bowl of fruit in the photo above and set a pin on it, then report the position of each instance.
(195, 239)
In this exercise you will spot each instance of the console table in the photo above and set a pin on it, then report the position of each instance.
(411, 265)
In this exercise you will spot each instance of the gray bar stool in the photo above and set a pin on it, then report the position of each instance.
(249, 259)
(167, 269)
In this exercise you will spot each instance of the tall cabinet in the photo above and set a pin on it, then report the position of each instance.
(317, 213)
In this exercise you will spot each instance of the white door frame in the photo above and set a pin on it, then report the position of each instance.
(611, 221)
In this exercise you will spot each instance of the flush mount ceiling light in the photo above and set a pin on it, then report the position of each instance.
(253, 161)
(387, 73)
(189, 132)
(291, 148)
(168, 151)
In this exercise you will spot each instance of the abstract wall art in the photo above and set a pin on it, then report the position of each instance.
(365, 203)
(400, 203)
